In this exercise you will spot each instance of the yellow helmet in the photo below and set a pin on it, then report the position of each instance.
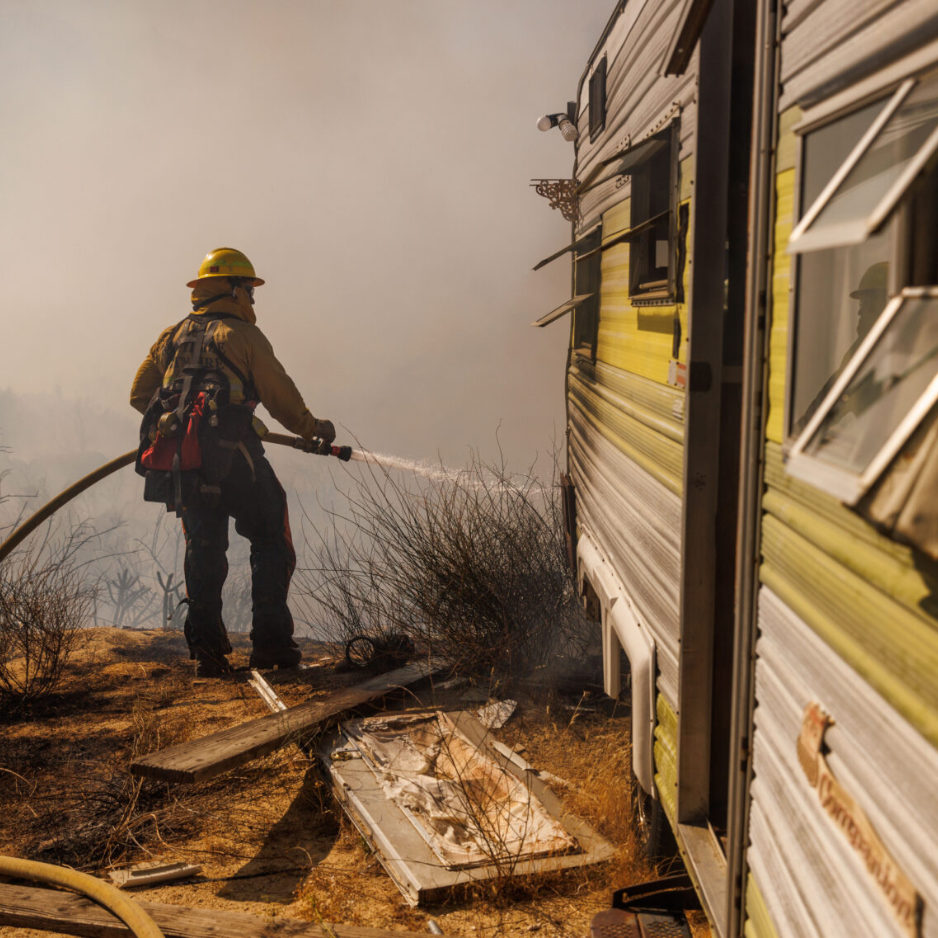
(874, 280)
(226, 262)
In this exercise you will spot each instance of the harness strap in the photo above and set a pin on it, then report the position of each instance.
(250, 392)
(181, 412)
(243, 450)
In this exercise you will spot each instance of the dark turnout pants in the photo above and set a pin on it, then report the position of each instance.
(258, 504)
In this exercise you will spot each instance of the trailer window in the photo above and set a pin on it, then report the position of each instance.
(597, 107)
(864, 362)
(869, 184)
(587, 276)
(869, 226)
(651, 254)
(886, 389)
(840, 291)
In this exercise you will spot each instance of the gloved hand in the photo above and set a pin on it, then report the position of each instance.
(325, 431)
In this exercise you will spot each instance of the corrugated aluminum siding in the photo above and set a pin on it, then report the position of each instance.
(626, 452)
(812, 881)
(823, 41)
(626, 421)
(638, 101)
(872, 600)
(636, 520)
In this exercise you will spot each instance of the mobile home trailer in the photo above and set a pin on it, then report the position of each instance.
(752, 444)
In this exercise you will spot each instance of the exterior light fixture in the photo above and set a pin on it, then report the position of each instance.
(563, 121)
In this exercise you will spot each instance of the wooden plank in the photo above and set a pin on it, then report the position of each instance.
(204, 758)
(68, 914)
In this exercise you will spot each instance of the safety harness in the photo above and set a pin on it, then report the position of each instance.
(191, 429)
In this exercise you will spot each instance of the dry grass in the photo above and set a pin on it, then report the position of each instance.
(268, 835)
(590, 750)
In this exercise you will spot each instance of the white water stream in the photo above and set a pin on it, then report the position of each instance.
(437, 472)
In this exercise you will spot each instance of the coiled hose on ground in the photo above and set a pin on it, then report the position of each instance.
(103, 893)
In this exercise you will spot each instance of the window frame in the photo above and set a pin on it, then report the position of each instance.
(587, 312)
(646, 298)
(808, 125)
(845, 485)
(888, 203)
(569, 306)
(597, 109)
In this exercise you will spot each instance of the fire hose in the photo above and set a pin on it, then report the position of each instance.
(102, 472)
(103, 893)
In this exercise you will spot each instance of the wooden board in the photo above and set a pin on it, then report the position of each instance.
(65, 913)
(204, 758)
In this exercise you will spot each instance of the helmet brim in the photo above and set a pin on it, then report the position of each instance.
(255, 281)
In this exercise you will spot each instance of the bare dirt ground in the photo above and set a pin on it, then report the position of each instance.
(269, 837)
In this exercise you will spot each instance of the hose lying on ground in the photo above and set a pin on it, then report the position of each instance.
(103, 893)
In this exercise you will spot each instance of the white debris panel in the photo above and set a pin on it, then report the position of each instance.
(468, 809)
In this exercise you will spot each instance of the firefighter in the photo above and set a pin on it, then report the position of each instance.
(202, 457)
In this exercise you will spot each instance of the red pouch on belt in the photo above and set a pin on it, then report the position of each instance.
(160, 453)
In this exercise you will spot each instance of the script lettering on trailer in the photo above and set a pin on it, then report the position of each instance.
(850, 819)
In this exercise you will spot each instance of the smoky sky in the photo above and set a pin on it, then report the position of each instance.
(372, 159)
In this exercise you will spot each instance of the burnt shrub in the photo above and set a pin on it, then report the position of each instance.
(469, 563)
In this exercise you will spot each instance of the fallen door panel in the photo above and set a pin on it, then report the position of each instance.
(405, 851)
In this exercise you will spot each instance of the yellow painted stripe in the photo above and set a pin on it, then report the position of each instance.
(758, 921)
(660, 457)
(623, 404)
(666, 757)
(617, 219)
(687, 179)
(781, 281)
(787, 149)
(667, 720)
(637, 339)
(663, 401)
(891, 648)
(893, 568)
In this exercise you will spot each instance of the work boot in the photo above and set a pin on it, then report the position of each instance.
(280, 656)
(207, 665)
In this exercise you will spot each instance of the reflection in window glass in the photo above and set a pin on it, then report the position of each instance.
(826, 149)
(843, 218)
(880, 395)
(841, 290)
